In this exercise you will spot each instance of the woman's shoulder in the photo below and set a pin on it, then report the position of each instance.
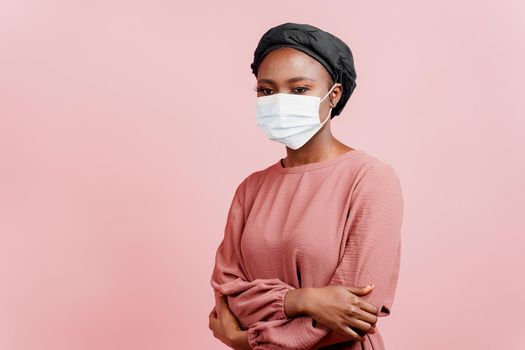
(363, 165)
(377, 178)
(371, 167)
(254, 178)
(370, 162)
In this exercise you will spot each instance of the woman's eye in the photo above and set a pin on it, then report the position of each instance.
(268, 91)
(265, 91)
(300, 89)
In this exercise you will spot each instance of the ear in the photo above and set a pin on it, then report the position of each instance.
(335, 101)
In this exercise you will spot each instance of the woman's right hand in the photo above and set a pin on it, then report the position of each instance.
(340, 308)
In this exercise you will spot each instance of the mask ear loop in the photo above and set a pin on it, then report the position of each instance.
(327, 117)
(329, 91)
(330, 110)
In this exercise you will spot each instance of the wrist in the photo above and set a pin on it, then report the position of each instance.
(239, 340)
(297, 302)
(307, 301)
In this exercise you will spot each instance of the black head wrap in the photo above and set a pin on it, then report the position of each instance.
(326, 48)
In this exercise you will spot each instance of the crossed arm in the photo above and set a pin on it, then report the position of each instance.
(371, 255)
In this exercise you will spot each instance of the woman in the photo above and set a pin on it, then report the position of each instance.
(311, 249)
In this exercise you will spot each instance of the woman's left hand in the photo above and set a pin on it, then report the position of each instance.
(225, 325)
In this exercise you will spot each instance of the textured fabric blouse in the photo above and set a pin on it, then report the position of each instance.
(333, 222)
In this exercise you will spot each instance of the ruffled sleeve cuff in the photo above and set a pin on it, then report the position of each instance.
(269, 335)
(278, 304)
(254, 337)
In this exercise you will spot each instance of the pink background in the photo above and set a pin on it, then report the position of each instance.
(126, 126)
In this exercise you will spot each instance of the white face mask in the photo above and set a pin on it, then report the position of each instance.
(289, 118)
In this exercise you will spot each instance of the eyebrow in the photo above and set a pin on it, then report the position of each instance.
(291, 80)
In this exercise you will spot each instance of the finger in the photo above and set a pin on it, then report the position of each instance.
(359, 325)
(212, 319)
(366, 316)
(222, 304)
(223, 310)
(360, 290)
(218, 307)
(212, 323)
(366, 306)
(223, 299)
(218, 297)
(349, 332)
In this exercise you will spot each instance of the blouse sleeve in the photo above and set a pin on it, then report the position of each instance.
(250, 301)
(371, 255)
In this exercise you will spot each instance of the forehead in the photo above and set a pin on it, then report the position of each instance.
(287, 62)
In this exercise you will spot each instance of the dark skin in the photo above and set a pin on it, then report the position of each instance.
(291, 71)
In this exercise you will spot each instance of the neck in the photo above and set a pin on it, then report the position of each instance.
(322, 146)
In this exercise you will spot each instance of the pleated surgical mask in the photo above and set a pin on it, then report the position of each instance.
(290, 119)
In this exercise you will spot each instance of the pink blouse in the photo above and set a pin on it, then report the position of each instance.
(333, 222)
